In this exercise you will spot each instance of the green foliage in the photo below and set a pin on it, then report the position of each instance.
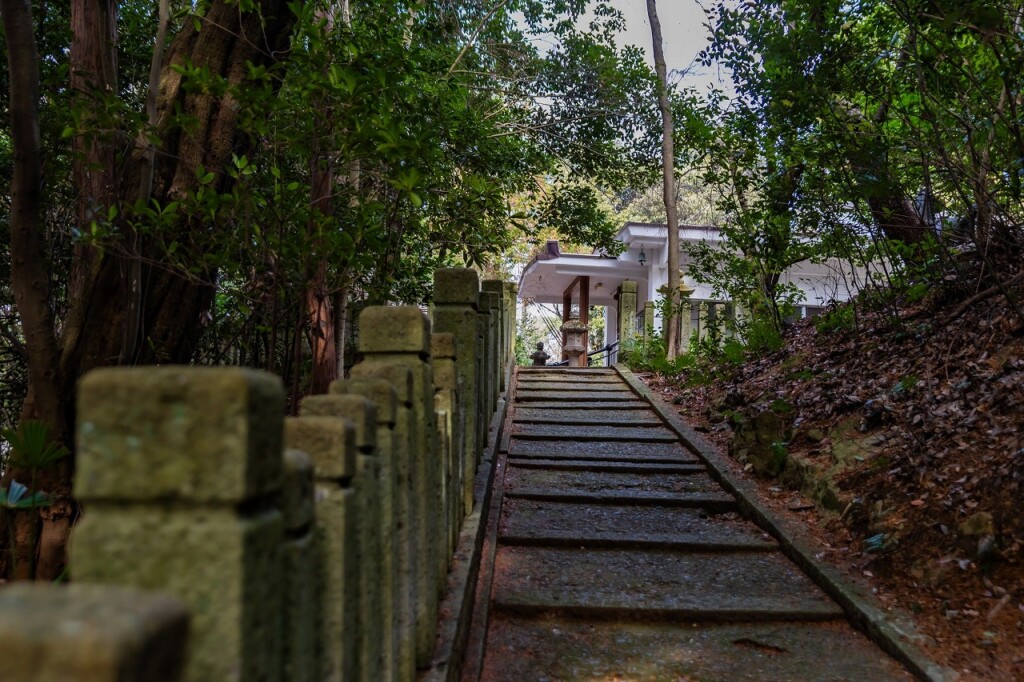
(17, 496)
(32, 447)
(836, 319)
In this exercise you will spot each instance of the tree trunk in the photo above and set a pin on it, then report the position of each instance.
(170, 304)
(671, 323)
(30, 276)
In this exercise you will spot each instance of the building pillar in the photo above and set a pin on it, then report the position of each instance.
(627, 313)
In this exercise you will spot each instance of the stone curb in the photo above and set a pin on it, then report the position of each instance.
(456, 608)
(890, 631)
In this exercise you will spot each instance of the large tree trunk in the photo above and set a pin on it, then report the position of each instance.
(30, 277)
(127, 304)
(671, 323)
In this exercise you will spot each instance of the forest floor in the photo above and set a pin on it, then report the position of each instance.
(901, 447)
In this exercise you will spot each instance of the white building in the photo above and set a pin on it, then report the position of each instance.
(583, 280)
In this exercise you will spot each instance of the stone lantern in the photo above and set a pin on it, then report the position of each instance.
(575, 342)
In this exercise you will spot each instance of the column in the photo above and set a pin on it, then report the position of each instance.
(330, 443)
(90, 633)
(366, 482)
(179, 468)
(456, 293)
(400, 336)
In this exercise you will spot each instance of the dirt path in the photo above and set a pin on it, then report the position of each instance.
(615, 556)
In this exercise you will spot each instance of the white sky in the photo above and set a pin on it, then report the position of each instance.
(684, 33)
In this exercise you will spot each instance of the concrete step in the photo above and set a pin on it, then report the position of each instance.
(572, 386)
(532, 415)
(605, 465)
(549, 647)
(527, 395)
(657, 585)
(715, 503)
(622, 451)
(572, 405)
(564, 524)
(552, 481)
(592, 432)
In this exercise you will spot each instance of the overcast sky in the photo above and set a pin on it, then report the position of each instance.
(682, 26)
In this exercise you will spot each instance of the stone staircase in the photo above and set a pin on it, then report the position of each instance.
(616, 556)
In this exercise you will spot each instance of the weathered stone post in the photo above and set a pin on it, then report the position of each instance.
(382, 394)
(511, 299)
(702, 320)
(497, 287)
(447, 390)
(649, 321)
(369, 616)
(179, 469)
(392, 385)
(301, 586)
(489, 301)
(401, 336)
(456, 294)
(90, 633)
(627, 313)
(331, 444)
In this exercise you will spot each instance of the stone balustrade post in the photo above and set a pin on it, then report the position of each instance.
(90, 633)
(511, 298)
(301, 586)
(179, 469)
(397, 643)
(366, 482)
(374, 382)
(331, 444)
(627, 313)
(401, 336)
(489, 307)
(497, 287)
(456, 295)
(447, 391)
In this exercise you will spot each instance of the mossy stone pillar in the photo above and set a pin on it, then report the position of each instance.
(331, 443)
(397, 643)
(703, 309)
(363, 415)
(400, 336)
(407, 521)
(511, 301)
(627, 313)
(456, 298)
(180, 471)
(649, 321)
(447, 389)
(301, 586)
(489, 303)
(90, 633)
(497, 287)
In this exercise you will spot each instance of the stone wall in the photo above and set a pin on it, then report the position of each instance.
(309, 548)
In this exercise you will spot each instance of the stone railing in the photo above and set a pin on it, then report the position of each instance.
(314, 547)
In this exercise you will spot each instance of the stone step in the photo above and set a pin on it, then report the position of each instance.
(623, 451)
(591, 432)
(532, 415)
(657, 585)
(580, 396)
(570, 406)
(572, 386)
(553, 481)
(558, 523)
(605, 465)
(527, 371)
(715, 503)
(552, 648)
(594, 380)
